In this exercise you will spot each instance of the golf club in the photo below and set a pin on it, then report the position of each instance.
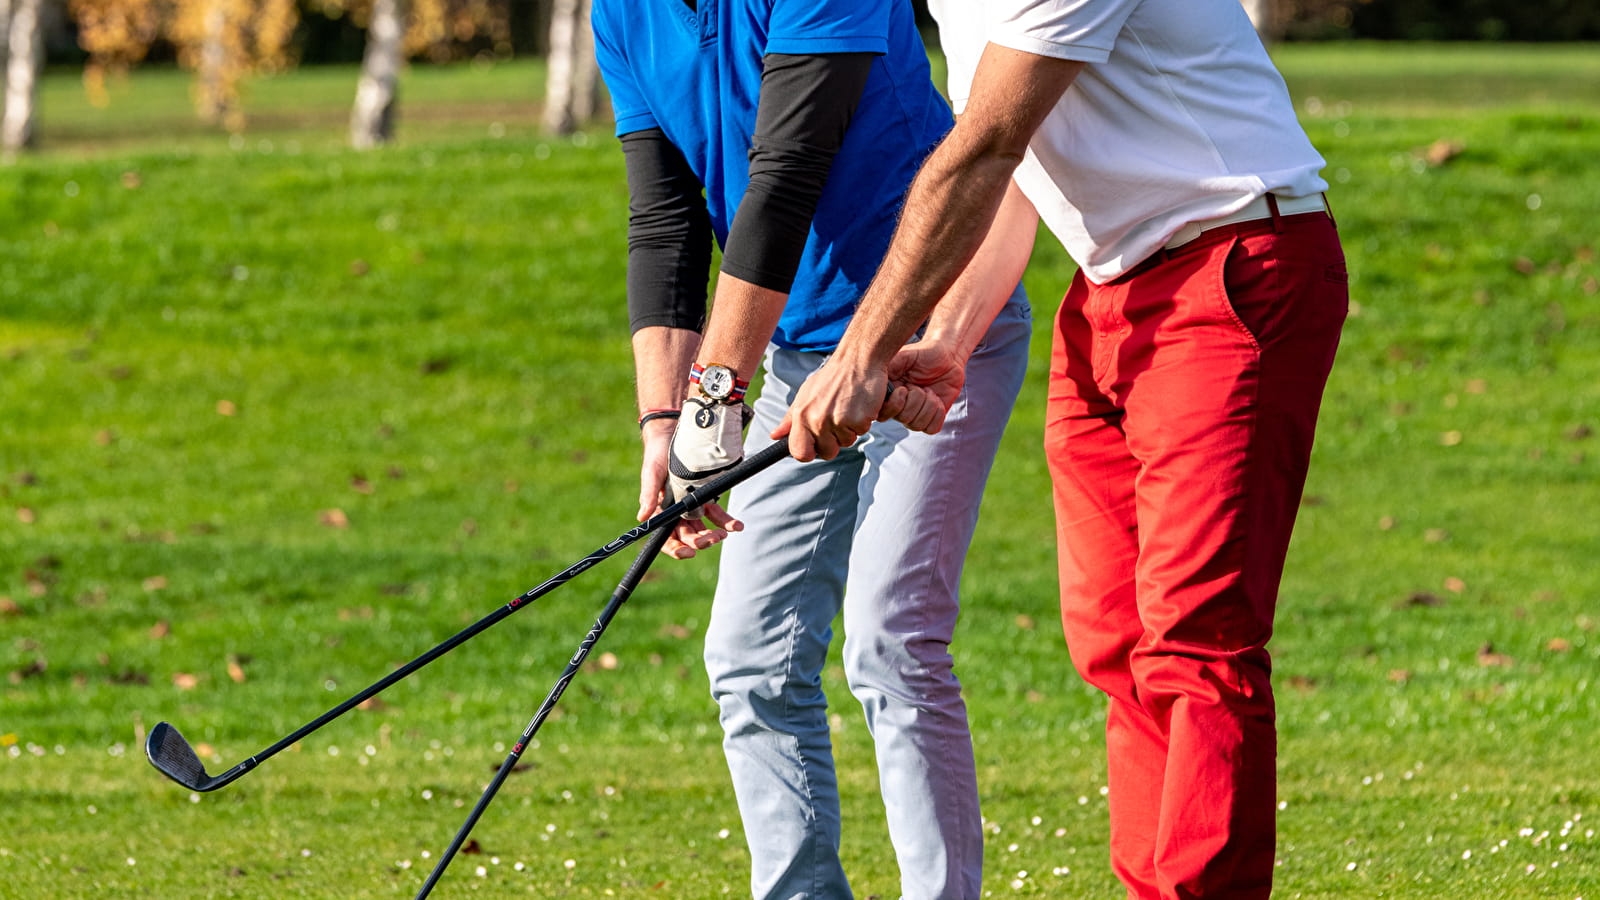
(172, 754)
(625, 588)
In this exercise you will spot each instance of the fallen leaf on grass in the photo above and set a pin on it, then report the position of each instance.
(160, 630)
(1488, 657)
(1302, 683)
(360, 484)
(25, 515)
(1025, 622)
(608, 661)
(235, 669)
(1578, 432)
(9, 607)
(37, 667)
(1454, 585)
(1558, 645)
(334, 518)
(472, 847)
(372, 703)
(185, 681)
(1399, 676)
(155, 583)
(1442, 151)
(227, 408)
(1423, 598)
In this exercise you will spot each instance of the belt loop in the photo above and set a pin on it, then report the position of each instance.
(1272, 207)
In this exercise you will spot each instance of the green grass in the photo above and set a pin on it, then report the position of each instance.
(392, 335)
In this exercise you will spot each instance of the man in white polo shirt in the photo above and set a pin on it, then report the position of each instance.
(1159, 144)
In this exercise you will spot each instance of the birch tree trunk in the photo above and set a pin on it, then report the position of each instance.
(1261, 16)
(25, 45)
(372, 118)
(215, 88)
(572, 87)
(5, 37)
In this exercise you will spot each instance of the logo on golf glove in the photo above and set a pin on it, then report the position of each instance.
(709, 441)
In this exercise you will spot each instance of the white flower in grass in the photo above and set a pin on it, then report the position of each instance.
(570, 864)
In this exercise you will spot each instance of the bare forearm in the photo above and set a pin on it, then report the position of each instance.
(943, 224)
(661, 359)
(955, 197)
(964, 313)
(743, 319)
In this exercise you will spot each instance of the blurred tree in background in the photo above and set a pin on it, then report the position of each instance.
(226, 42)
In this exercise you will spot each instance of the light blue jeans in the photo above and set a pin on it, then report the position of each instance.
(881, 531)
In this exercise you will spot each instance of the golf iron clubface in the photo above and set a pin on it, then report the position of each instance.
(174, 757)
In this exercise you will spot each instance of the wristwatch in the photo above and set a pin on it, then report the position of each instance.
(718, 382)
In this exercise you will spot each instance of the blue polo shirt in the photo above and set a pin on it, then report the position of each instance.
(696, 75)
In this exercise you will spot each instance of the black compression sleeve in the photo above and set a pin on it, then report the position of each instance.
(669, 235)
(805, 109)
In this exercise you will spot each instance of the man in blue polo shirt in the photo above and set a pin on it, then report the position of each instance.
(803, 122)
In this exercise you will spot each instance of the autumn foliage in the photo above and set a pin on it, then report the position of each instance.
(225, 42)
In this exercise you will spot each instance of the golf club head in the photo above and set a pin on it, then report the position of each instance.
(172, 755)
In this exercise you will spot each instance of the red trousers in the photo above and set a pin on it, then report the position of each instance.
(1183, 398)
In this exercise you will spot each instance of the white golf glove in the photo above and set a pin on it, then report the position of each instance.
(709, 441)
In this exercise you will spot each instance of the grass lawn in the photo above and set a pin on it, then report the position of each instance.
(276, 416)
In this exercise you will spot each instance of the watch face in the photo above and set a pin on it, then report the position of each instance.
(717, 382)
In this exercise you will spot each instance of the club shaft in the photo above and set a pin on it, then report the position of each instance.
(630, 580)
(658, 523)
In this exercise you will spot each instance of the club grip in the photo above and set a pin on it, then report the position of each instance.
(717, 486)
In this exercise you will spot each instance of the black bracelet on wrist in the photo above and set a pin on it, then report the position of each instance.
(658, 414)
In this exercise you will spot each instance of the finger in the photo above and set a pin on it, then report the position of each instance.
(893, 402)
(827, 446)
(677, 549)
(915, 415)
(783, 428)
(722, 518)
(802, 444)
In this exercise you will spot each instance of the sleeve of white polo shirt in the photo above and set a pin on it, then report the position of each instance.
(1083, 30)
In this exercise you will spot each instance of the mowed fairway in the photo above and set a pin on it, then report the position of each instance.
(276, 417)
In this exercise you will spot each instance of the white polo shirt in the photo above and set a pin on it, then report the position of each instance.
(1178, 117)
